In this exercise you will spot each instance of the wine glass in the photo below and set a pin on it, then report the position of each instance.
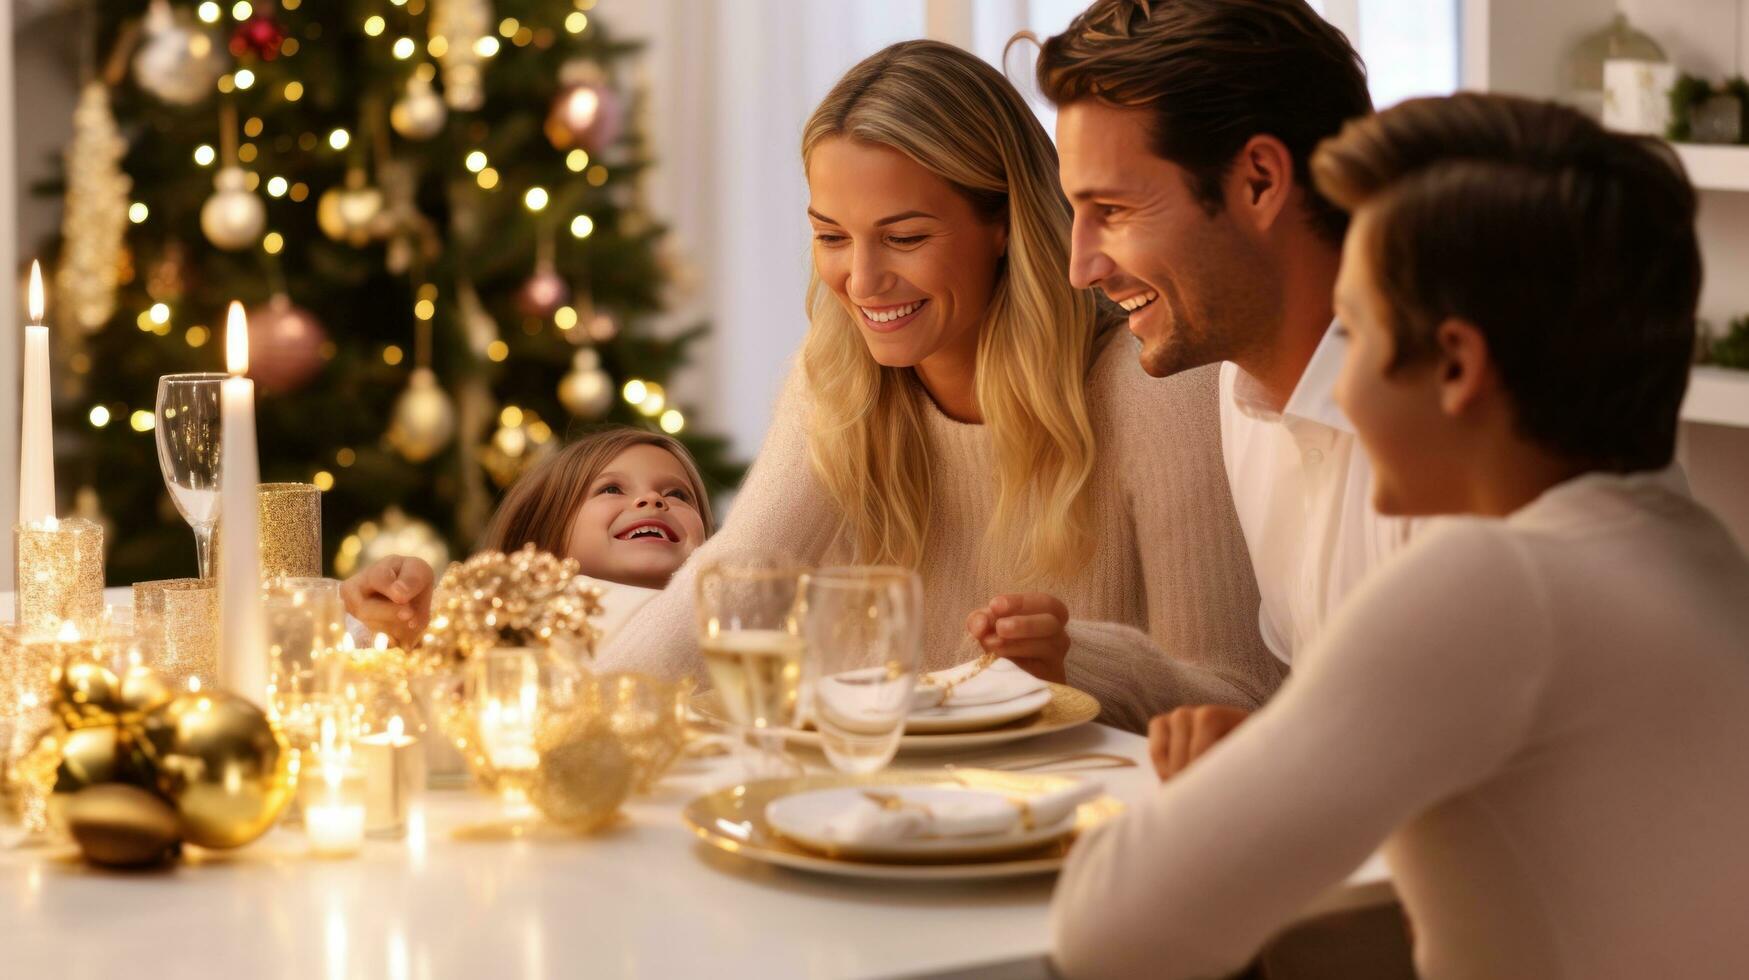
(863, 630)
(748, 636)
(188, 453)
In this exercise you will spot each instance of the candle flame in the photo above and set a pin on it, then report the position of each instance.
(236, 340)
(36, 292)
(194, 685)
(396, 728)
(69, 632)
(347, 643)
(382, 641)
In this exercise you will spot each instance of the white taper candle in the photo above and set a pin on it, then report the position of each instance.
(243, 667)
(36, 441)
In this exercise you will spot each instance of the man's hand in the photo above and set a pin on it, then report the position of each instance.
(1176, 739)
(392, 595)
(1029, 628)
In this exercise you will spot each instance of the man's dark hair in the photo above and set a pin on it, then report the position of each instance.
(1571, 248)
(1213, 74)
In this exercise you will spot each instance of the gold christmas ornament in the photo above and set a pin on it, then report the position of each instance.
(393, 534)
(587, 391)
(347, 213)
(419, 113)
(290, 521)
(521, 599)
(585, 772)
(93, 755)
(222, 763)
(459, 22)
(121, 826)
(520, 441)
(86, 693)
(96, 218)
(142, 690)
(423, 420)
(177, 61)
(233, 218)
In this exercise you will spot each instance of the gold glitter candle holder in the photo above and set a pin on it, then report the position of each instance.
(176, 622)
(60, 575)
(291, 530)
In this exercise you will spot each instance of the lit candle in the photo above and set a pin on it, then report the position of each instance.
(507, 731)
(36, 447)
(243, 662)
(392, 775)
(334, 811)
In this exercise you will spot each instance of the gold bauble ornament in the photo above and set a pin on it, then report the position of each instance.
(520, 441)
(347, 213)
(86, 693)
(91, 756)
(393, 534)
(122, 826)
(234, 216)
(587, 391)
(419, 113)
(423, 421)
(222, 763)
(142, 690)
(585, 772)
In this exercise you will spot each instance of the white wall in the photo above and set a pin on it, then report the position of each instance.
(11, 346)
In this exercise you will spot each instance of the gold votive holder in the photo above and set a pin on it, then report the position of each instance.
(176, 622)
(291, 530)
(60, 575)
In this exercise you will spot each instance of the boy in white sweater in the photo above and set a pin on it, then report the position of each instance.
(1540, 708)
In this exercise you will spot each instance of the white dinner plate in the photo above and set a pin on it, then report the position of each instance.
(803, 818)
(975, 717)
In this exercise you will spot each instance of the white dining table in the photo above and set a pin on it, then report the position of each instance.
(644, 898)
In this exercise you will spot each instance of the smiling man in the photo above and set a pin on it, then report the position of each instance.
(1184, 131)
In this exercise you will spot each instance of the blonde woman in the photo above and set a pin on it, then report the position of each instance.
(959, 409)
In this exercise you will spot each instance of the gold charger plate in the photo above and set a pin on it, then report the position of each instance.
(1068, 708)
(733, 820)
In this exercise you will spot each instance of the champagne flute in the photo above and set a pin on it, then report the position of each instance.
(187, 425)
(748, 636)
(863, 629)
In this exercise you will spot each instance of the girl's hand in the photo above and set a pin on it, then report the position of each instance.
(1029, 628)
(392, 595)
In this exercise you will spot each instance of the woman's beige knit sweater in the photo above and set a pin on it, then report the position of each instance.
(1164, 613)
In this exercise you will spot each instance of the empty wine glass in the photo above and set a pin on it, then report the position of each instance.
(749, 641)
(863, 631)
(188, 453)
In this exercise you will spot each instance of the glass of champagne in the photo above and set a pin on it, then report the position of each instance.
(187, 425)
(749, 638)
(863, 631)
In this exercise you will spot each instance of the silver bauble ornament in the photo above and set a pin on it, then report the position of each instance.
(285, 345)
(348, 213)
(424, 418)
(419, 113)
(177, 61)
(234, 216)
(393, 534)
(587, 391)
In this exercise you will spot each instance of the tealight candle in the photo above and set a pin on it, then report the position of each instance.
(334, 808)
(507, 733)
(393, 772)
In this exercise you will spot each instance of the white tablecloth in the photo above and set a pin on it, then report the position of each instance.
(644, 899)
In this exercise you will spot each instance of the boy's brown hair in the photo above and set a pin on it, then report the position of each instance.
(1213, 74)
(543, 502)
(1571, 248)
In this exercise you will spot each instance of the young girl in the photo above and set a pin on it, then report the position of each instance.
(628, 505)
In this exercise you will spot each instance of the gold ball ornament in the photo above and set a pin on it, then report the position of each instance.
(348, 213)
(120, 826)
(222, 763)
(142, 690)
(585, 772)
(234, 216)
(86, 693)
(177, 61)
(587, 391)
(423, 421)
(513, 448)
(419, 113)
(92, 756)
(393, 534)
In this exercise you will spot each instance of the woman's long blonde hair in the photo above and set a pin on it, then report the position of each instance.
(960, 119)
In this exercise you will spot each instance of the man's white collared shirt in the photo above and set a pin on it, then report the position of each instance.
(1302, 486)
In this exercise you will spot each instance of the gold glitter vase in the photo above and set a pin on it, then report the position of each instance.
(60, 575)
(177, 623)
(291, 530)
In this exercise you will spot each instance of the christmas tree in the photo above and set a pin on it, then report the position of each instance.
(431, 209)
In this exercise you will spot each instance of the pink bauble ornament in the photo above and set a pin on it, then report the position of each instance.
(285, 345)
(586, 112)
(543, 293)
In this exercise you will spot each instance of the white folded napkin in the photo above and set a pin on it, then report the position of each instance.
(966, 686)
(618, 602)
(978, 814)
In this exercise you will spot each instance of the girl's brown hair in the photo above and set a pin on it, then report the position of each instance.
(542, 504)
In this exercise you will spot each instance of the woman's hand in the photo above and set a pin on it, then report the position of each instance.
(1029, 628)
(1178, 738)
(392, 595)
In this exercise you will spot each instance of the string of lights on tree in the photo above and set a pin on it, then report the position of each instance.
(415, 176)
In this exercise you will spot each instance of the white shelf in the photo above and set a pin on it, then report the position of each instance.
(1719, 396)
(1715, 168)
